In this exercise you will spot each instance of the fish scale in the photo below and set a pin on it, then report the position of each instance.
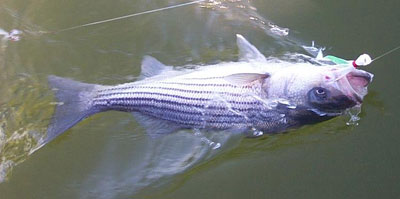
(194, 102)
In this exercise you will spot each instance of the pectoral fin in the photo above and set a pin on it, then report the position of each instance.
(155, 127)
(241, 79)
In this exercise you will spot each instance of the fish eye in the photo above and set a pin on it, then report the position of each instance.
(320, 91)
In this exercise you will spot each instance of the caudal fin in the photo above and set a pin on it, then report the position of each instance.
(73, 104)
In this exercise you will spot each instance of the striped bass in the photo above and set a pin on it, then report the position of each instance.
(253, 94)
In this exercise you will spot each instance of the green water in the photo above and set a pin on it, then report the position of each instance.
(110, 156)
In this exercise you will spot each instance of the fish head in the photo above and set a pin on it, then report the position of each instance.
(322, 89)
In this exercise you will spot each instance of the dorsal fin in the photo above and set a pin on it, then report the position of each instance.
(151, 67)
(248, 52)
(241, 79)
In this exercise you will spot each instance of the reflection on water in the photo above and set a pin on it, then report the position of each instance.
(27, 103)
(163, 158)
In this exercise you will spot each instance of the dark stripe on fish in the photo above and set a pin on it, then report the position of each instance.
(208, 84)
(138, 101)
(133, 95)
(193, 119)
(173, 83)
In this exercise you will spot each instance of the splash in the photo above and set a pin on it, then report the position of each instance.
(255, 132)
(354, 118)
(14, 149)
(207, 141)
(241, 10)
(13, 35)
(275, 29)
(23, 120)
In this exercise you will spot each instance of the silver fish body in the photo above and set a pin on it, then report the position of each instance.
(210, 103)
(252, 94)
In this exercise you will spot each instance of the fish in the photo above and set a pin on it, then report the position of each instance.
(252, 94)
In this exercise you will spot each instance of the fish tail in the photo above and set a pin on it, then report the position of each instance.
(74, 103)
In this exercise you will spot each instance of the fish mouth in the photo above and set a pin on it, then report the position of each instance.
(354, 84)
(347, 90)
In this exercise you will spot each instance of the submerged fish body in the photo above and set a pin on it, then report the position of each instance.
(254, 93)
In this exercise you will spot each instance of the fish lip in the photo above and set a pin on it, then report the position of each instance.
(361, 74)
(354, 84)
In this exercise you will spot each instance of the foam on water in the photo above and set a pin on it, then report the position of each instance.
(13, 35)
(241, 10)
(23, 121)
(353, 113)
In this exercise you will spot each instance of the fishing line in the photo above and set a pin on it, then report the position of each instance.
(124, 17)
(386, 53)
